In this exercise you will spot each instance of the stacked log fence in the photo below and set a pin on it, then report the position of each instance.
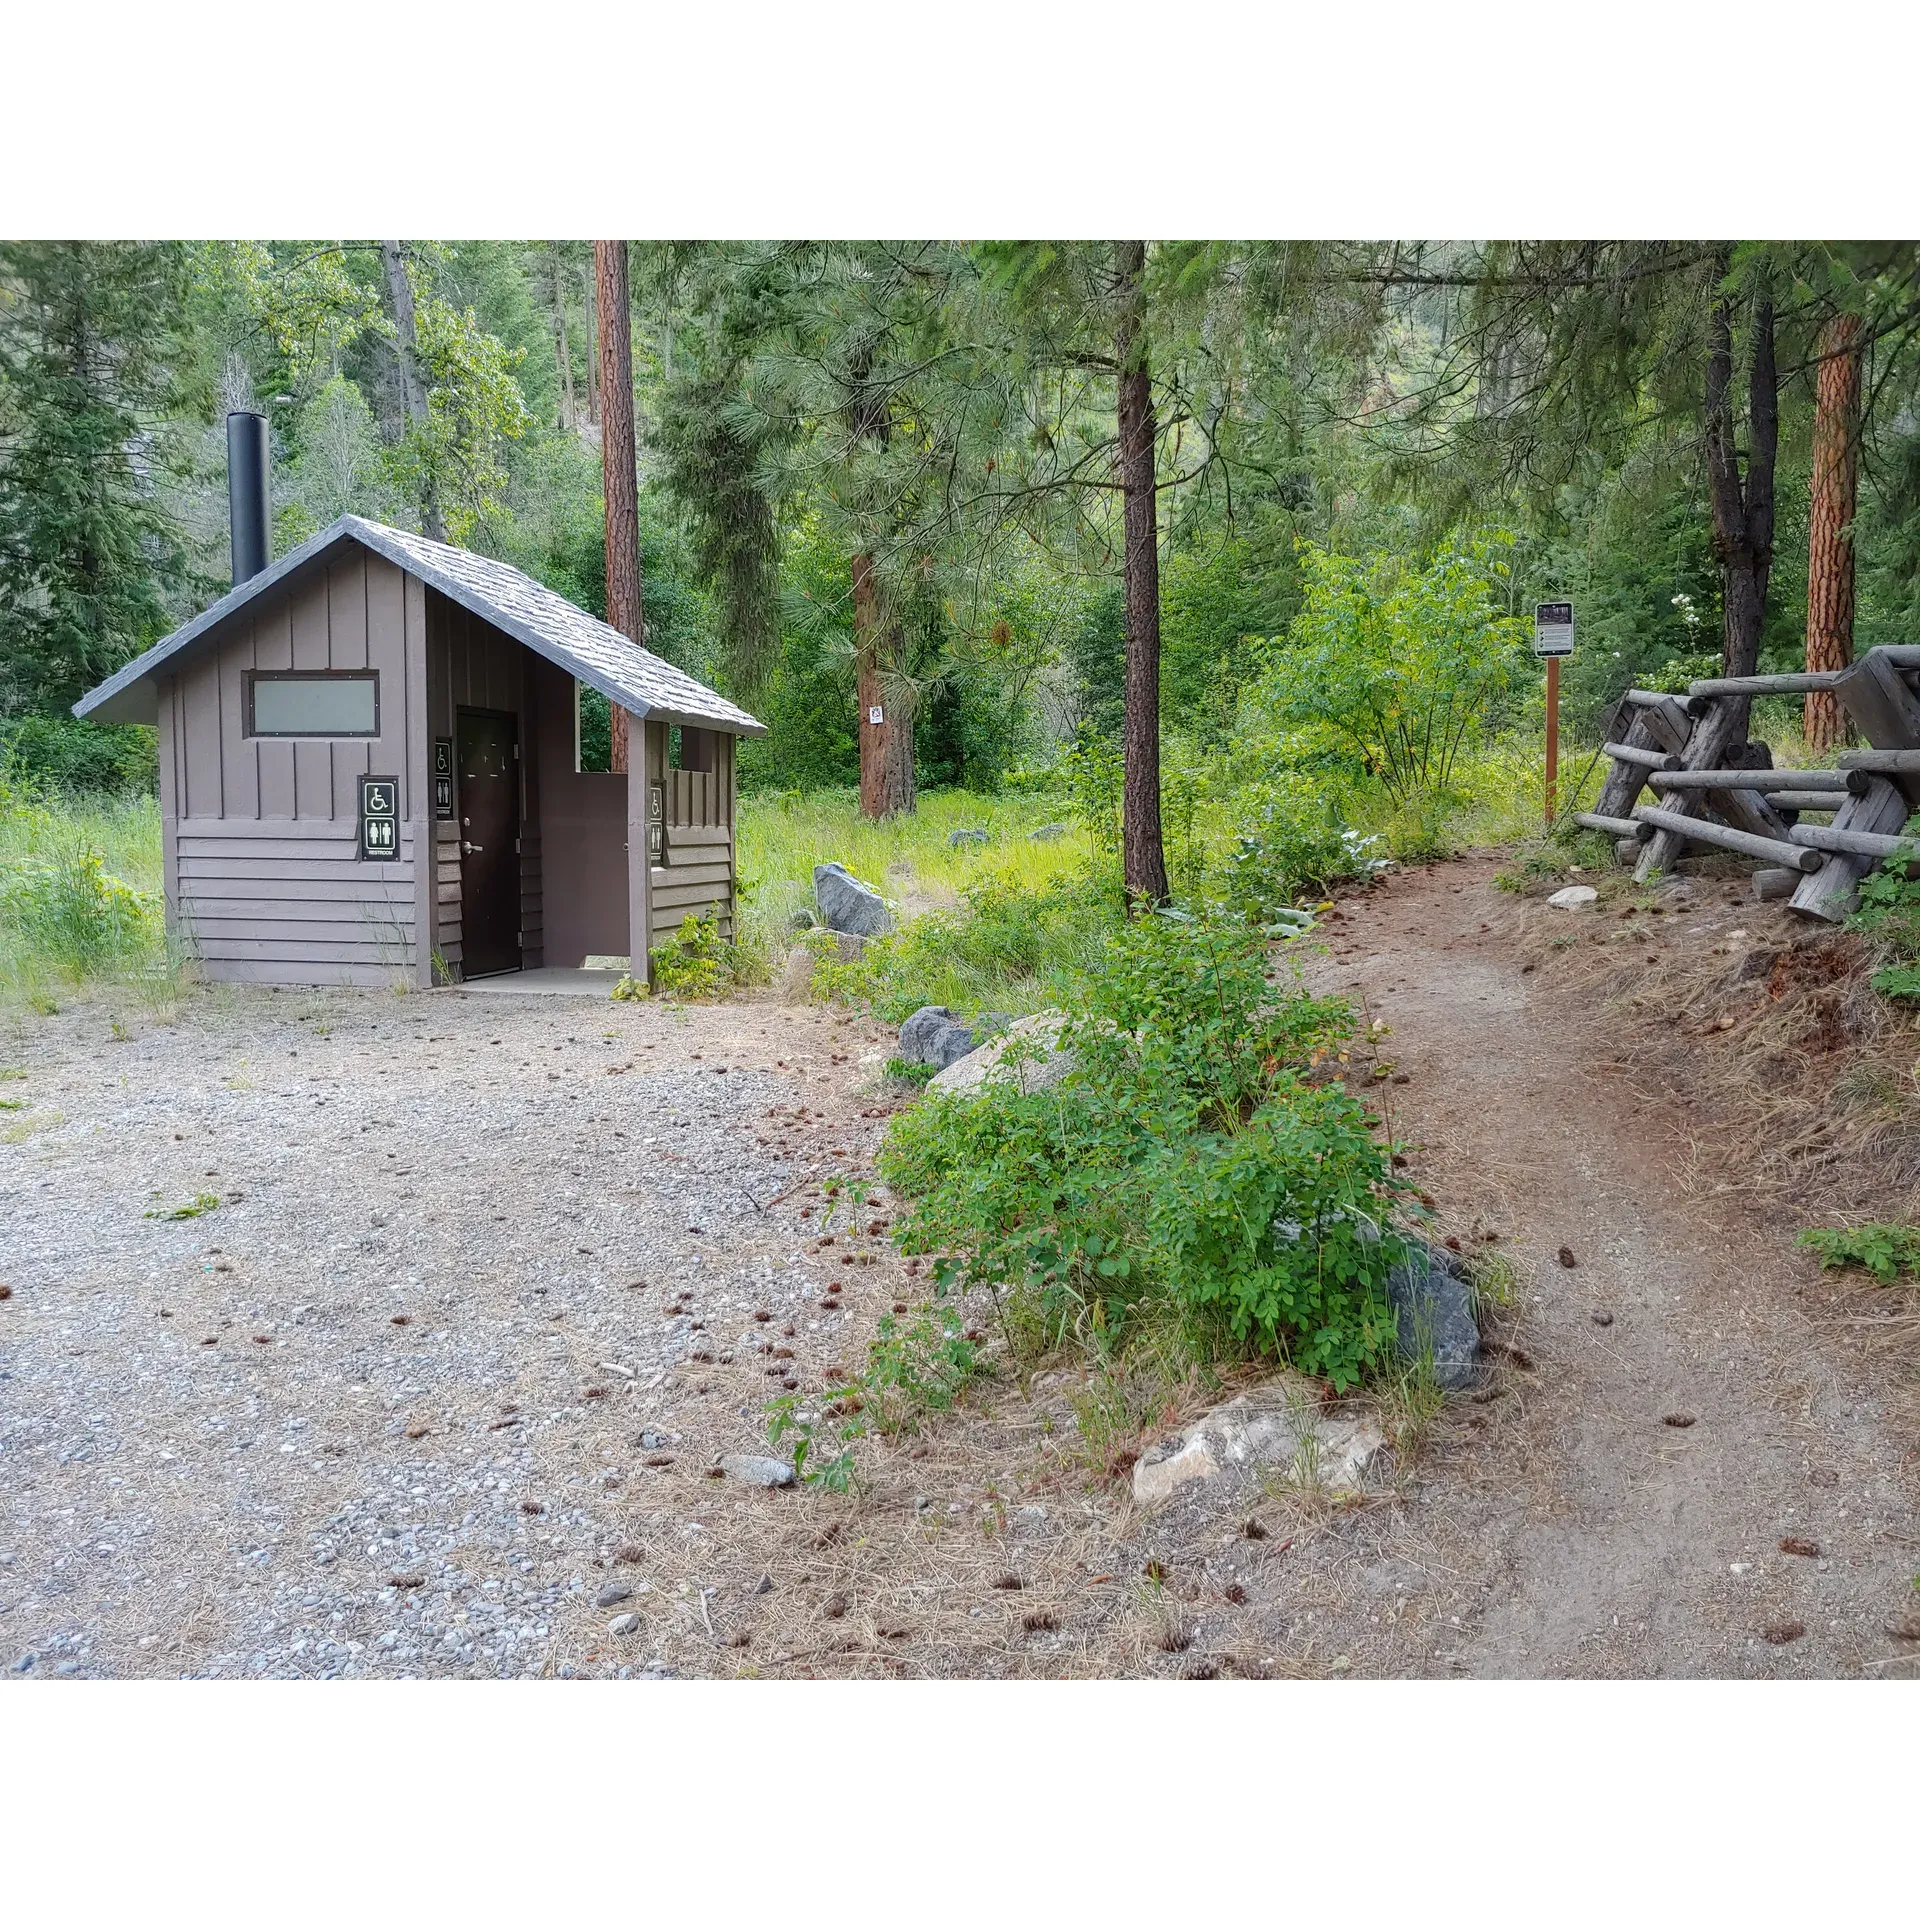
(1710, 791)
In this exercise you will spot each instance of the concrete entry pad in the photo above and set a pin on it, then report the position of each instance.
(595, 983)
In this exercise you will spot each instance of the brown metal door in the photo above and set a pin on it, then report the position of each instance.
(489, 813)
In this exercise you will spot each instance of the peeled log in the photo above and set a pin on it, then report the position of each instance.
(1756, 846)
(1754, 683)
(1650, 757)
(1830, 894)
(1661, 728)
(1760, 779)
(1608, 823)
(1885, 709)
(1883, 759)
(1839, 839)
(1815, 802)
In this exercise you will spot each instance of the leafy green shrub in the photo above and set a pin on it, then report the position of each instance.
(1889, 916)
(1290, 842)
(1188, 1007)
(915, 1367)
(1889, 1254)
(914, 1073)
(693, 964)
(1399, 662)
(1269, 1232)
(1185, 1171)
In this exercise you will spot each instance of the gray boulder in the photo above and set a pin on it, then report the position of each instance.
(1057, 831)
(848, 905)
(968, 837)
(969, 1074)
(1433, 1308)
(934, 1038)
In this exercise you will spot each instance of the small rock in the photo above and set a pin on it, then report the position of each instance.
(1572, 897)
(802, 920)
(613, 1593)
(934, 1038)
(624, 1623)
(1057, 831)
(1601, 1317)
(1029, 1519)
(923, 1503)
(766, 1584)
(1433, 1310)
(1281, 1425)
(848, 905)
(756, 1470)
(652, 1438)
(24, 1664)
(1566, 1257)
(968, 837)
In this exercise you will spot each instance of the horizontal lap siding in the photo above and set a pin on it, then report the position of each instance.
(446, 911)
(258, 902)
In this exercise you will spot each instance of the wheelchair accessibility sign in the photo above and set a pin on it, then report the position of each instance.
(379, 816)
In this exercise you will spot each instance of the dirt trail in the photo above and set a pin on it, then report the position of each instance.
(1608, 1540)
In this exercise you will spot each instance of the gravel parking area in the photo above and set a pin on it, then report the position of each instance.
(441, 1384)
(378, 1410)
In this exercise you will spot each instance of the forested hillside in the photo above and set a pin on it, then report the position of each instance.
(899, 473)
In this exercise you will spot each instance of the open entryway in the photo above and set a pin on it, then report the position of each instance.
(488, 755)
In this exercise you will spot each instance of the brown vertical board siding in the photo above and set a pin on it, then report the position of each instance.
(347, 651)
(417, 781)
(273, 759)
(240, 766)
(167, 742)
(312, 759)
(200, 719)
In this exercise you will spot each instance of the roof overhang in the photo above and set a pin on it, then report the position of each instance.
(599, 656)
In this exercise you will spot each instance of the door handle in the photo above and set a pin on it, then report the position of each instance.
(471, 846)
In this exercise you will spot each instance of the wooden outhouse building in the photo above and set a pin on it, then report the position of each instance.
(370, 768)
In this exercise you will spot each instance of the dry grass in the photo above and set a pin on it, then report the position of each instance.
(1756, 1043)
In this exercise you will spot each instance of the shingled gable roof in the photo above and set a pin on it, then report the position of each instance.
(589, 649)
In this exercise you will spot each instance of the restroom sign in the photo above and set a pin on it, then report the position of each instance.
(379, 816)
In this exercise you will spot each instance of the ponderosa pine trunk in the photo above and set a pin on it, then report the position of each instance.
(619, 464)
(1830, 508)
(413, 386)
(1143, 862)
(886, 746)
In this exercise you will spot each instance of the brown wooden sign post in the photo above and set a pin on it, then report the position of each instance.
(1552, 639)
